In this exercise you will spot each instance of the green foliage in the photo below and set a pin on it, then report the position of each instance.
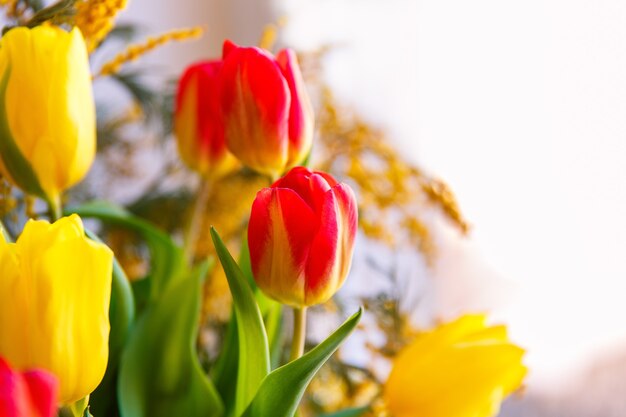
(272, 311)
(15, 163)
(160, 374)
(281, 391)
(103, 401)
(159, 371)
(254, 362)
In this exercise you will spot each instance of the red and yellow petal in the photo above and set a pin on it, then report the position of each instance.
(331, 251)
(279, 234)
(301, 117)
(255, 101)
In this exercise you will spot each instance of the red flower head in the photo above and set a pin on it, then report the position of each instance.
(301, 237)
(268, 117)
(27, 394)
(198, 120)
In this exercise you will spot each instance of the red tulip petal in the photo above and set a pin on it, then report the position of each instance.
(228, 47)
(323, 255)
(32, 393)
(309, 185)
(255, 103)
(331, 251)
(43, 388)
(281, 228)
(301, 117)
(348, 212)
(198, 117)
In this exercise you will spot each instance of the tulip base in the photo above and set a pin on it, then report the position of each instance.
(299, 333)
(79, 409)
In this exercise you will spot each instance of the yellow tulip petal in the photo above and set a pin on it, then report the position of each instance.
(49, 104)
(58, 283)
(460, 369)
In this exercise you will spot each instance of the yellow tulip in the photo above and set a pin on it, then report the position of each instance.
(55, 288)
(461, 369)
(47, 111)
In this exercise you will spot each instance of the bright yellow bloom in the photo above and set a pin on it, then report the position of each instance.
(47, 111)
(55, 287)
(460, 369)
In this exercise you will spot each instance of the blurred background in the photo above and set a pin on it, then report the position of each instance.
(521, 108)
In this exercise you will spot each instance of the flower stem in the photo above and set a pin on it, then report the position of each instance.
(299, 333)
(193, 228)
(55, 207)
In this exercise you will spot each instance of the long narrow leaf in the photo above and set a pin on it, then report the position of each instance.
(281, 391)
(272, 311)
(254, 362)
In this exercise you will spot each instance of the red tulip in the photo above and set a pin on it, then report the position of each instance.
(198, 121)
(27, 394)
(268, 117)
(301, 237)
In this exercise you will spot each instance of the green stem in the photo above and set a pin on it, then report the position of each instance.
(56, 208)
(299, 333)
(193, 227)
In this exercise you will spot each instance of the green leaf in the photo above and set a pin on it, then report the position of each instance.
(224, 371)
(281, 391)
(166, 257)
(16, 164)
(121, 315)
(252, 344)
(160, 374)
(352, 412)
(272, 311)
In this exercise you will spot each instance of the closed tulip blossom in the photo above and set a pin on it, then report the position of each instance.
(55, 289)
(461, 369)
(301, 237)
(198, 123)
(268, 117)
(47, 111)
(31, 393)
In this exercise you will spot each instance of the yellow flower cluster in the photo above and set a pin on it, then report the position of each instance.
(95, 18)
(393, 194)
(135, 51)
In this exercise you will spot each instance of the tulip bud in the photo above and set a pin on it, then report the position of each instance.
(268, 116)
(54, 304)
(47, 112)
(27, 394)
(198, 120)
(463, 368)
(301, 237)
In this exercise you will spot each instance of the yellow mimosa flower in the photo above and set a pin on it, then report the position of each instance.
(55, 288)
(47, 111)
(460, 369)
